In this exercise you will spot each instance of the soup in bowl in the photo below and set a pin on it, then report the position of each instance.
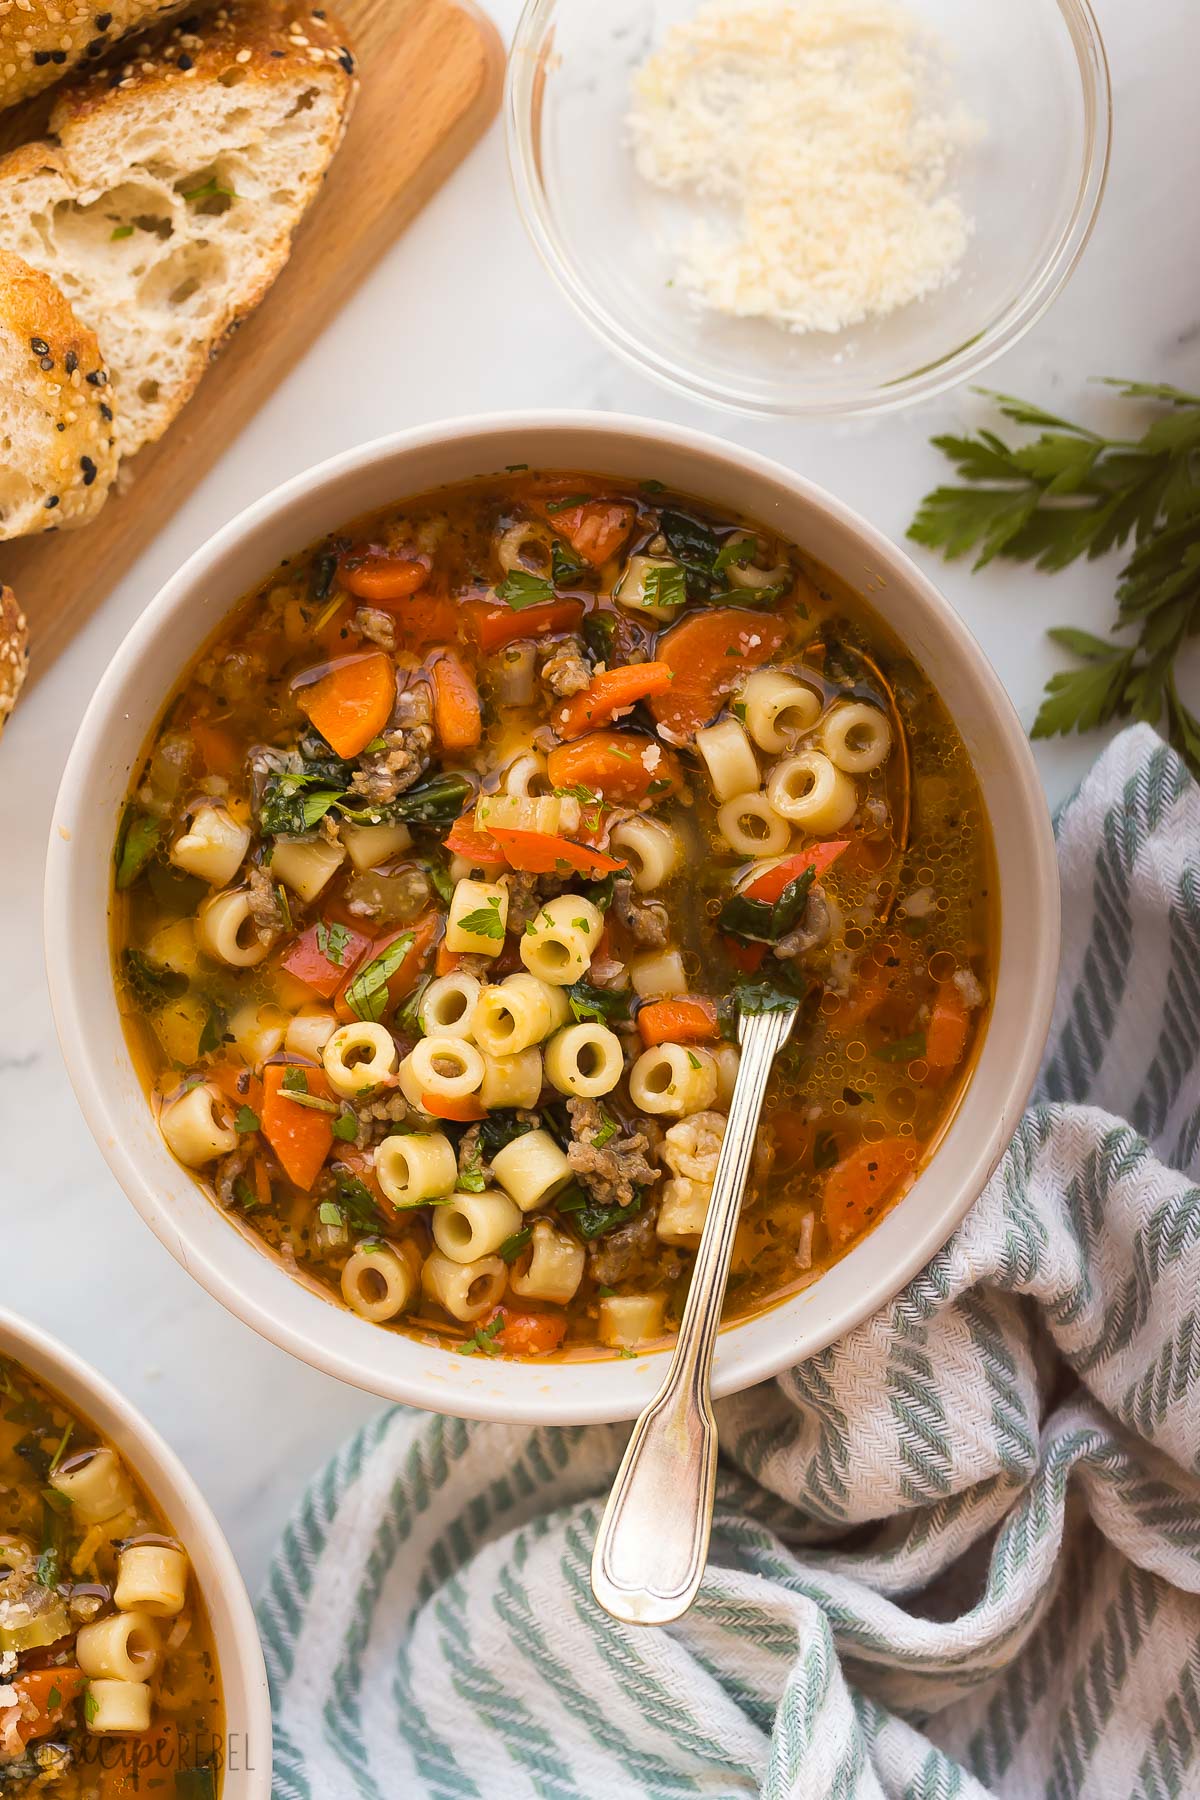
(128, 1657)
(450, 857)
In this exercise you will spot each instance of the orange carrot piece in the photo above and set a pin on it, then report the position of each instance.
(620, 765)
(709, 653)
(308, 962)
(463, 1109)
(494, 626)
(51, 1691)
(690, 1021)
(353, 703)
(216, 748)
(376, 575)
(446, 961)
(612, 693)
(300, 1136)
(857, 1187)
(539, 853)
(596, 528)
(946, 1036)
(456, 713)
(877, 977)
(530, 1334)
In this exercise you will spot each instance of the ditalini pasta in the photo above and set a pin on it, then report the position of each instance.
(104, 1634)
(455, 855)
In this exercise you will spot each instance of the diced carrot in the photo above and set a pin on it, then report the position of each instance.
(51, 1691)
(477, 847)
(620, 765)
(878, 976)
(538, 853)
(446, 961)
(857, 1187)
(463, 1108)
(690, 1021)
(403, 979)
(455, 703)
(946, 1035)
(709, 653)
(612, 693)
(240, 1086)
(426, 619)
(494, 626)
(315, 966)
(262, 1181)
(596, 528)
(771, 883)
(791, 1136)
(353, 703)
(216, 748)
(300, 1136)
(529, 1334)
(377, 575)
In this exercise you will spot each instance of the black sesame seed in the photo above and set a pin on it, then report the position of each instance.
(46, 362)
(185, 61)
(51, 502)
(98, 377)
(105, 413)
(95, 48)
(60, 426)
(278, 53)
(39, 346)
(58, 56)
(70, 362)
(317, 13)
(346, 60)
(40, 58)
(89, 470)
(103, 21)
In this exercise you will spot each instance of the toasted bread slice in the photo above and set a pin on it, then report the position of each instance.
(166, 206)
(57, 436)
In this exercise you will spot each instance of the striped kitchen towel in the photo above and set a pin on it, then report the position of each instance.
(956, 1554)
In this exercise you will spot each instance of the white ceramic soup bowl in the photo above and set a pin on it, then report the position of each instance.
(246, 1753)
(133, 693)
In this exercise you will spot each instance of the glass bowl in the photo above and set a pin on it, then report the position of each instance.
(1032, 72)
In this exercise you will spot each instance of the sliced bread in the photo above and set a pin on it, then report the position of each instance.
(57, 448)
(14, 652)
(40, 40)
(166, 205)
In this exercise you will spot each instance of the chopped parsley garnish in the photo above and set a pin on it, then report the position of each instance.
(483, 1338)
(357, 1200)
(594, 1005)
(46, 1569)
(246, 1119)
(694, 1060)
(572, 500)
(120, 231)
(512, 1246)
(295, 1081)
(91, 1706)
(905, 1049)
(244, 1194)
(520, 589)
(565, 567)
(607, 1131)
(485, 921)
(294, 1087)
(367, 995)
(591, 1220)
(330, 1213)
(735, 552)
(211, 1035)
(345, 1126)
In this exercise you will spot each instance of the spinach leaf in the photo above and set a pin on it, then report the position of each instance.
(565, 567)
(763, 921)
(139, 840)
(367, 995)
(150, 985)
(436, 801)
(356, 1200)
(292, 804)
(600, 634)
(591, 1220)
(592, 1004)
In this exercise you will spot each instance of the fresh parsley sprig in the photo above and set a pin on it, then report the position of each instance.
(1073, 493)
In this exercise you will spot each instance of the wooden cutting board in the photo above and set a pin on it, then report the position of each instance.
(430, 78)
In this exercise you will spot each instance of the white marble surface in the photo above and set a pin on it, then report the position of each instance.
(461, 317)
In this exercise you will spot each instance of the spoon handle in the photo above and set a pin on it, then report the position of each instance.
(653, 1539)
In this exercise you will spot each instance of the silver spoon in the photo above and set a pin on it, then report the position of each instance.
(653, 1539)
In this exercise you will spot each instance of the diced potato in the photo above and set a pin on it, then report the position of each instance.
(371, 845)
(306, 864)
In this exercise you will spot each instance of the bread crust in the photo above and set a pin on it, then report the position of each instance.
(14, 652)
(58, 379)
(247, 40)
(42, 40)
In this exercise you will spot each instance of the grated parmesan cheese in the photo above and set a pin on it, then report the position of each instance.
(817, 133)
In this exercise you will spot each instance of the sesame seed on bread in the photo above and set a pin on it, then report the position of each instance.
(166, 206)
(57, 446)
(41, 40)
(14, 652)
